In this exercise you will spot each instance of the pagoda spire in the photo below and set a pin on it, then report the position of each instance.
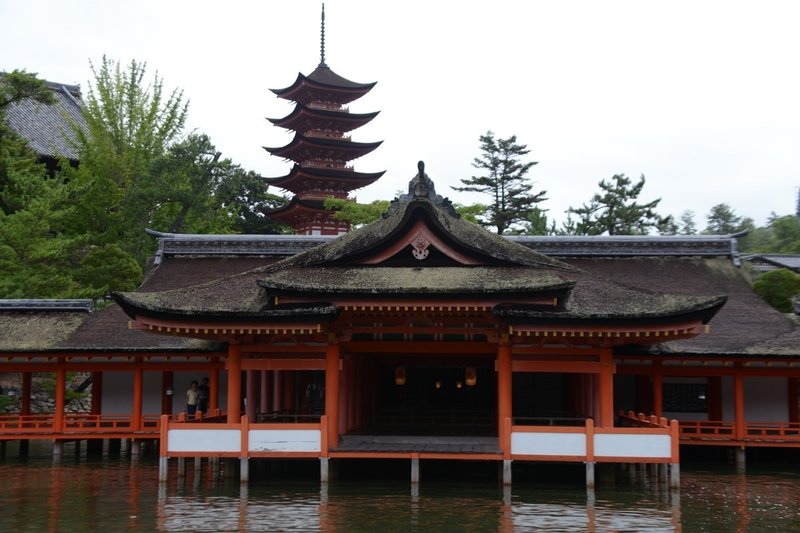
(322, 40)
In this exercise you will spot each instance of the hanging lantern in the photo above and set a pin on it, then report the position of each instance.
(400, 375)
(471, 376)
(438, 384)
(459, 384)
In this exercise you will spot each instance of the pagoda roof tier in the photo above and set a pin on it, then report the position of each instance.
(421, 252)
(306, 148)
(296, 207)
(323, 85)
(305, 118)
(301, 179)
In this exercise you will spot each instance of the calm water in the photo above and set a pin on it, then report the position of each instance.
(108, 494)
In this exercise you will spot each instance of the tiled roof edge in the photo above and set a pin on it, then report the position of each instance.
(563, 246)
(83, 305)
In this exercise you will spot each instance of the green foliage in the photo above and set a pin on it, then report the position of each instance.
(504, 181)
(777, 288)
(686, 224)
(470, 212)
(355, 213)
(722, 220)
(616, 211)
(19, 85)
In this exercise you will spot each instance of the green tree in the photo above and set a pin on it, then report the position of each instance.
(504, 181)
(778, 288)
(686, 224)
(616, 211)
(355, 213)
(723, 220)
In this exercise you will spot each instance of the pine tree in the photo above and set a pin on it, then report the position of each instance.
(504, 181)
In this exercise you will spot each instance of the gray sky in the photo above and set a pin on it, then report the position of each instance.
(699, 96)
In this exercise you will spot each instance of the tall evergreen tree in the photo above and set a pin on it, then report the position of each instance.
(504, 180)
(723, 220)
(616, 211)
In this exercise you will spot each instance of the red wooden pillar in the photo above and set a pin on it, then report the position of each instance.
(97, 393)
(167, 386)
(738, 406)
(138, 393)
(234, 366)
(213, 393)
(344, 395)
(27, 382)
(277, 390)
(658, 394)
(288, 391)
(794, 398)
(250, 395)
(715, 398)
(504, 408)
(61, 386)
(606, 388)
(332, 392)
(264, 396)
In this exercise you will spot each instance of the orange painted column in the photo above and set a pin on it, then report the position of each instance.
(97, 393)
(234, 366)
(503, 386)
(61, 390)
(27, 382)
(738, 406)
(251, 396)
(138, 393)
(794, 398)
(213, 393)
(264, 396)
(606, 388)
(332, 392)
(658, 395)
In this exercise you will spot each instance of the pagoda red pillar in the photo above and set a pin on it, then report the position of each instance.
(332, 392)
(234, 366)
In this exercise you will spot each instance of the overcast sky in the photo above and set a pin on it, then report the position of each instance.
(701, 97)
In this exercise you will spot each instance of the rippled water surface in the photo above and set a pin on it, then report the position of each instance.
(114, 494)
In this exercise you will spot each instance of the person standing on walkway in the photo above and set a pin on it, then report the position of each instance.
(191, 399)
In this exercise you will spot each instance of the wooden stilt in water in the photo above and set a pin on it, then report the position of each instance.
(181, 467)
(244, 470)
(163, 469)
(324, 469)
(506, 471)
(414, 468)
(590, 474)
(675, 476)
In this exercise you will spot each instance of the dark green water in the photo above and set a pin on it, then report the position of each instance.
(112, 494)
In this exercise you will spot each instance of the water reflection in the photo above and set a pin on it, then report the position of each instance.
(111, 495)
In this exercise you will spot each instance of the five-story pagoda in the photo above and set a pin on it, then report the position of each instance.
(321, 149)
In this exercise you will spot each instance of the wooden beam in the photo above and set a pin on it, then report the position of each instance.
(234, 366)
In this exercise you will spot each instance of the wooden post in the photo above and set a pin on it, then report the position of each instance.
(234, 366)
(414, 468)
(606, 388)
(675, 449)
(504, 408)
(332, 391)
(658, 395)
(589, 453)
(738, 406)
(213, 393)
(715, 398)
(264, 396)
(61, 386)
(251, 395)
(138, 392)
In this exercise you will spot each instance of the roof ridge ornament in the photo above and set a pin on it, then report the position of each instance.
(421, 186)
(322, 40)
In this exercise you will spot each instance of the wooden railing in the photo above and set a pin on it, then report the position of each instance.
(41, 425)
(723, 432)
